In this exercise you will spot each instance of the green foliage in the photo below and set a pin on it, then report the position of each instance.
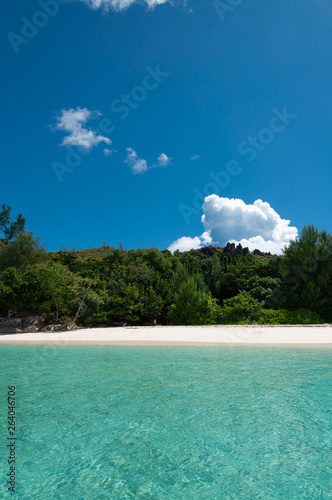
(23, 251)
(85, 297)
(282, 297)
(113, 286)
(53, 287)
(38, 288)
(10, 229)
(285, 317)
(192, 306)
(270, 267)
(135, 292)
(10, 285)
(272, 293)
(306, 267)
(261, 288)
(236, 273)
(242, 309)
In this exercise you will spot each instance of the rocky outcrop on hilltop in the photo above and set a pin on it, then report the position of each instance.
(235, 251)
(263, 254)
(230, 249)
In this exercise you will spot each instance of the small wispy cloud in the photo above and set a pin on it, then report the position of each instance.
(109, 152)
(195, 157)
(163, 160)
(73, 122)
(137, 165)
(140, 166)
(118, 5)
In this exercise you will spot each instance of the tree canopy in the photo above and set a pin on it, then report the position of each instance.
(9, 228)
(111, 286)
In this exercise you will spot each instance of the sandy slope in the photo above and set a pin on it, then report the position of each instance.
(182, 335)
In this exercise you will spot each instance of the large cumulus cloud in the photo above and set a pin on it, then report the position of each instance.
(255, 225)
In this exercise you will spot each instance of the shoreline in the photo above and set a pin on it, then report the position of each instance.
(308, 335)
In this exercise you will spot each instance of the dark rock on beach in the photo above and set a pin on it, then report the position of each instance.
(27, 323)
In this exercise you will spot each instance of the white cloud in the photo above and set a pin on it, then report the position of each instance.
(206, 238)
(140, 166)
(186, 243)
(163, 160)
(118, 5)
(109, 152)
(137, 165)
(73, 121)
(254, 226)
(195, 157)
(258, 242)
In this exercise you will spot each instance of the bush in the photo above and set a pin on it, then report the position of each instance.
(192, 306)
(242, 309)
(99, 318)
(10, 290)
(281, 298)
(21, 253)
(286, 317)
(261, 288)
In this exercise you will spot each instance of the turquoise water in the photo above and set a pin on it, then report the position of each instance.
(125, 422)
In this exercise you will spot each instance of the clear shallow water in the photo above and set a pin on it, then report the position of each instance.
(123, 422)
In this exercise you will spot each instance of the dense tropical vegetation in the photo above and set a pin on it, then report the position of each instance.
(212, 285)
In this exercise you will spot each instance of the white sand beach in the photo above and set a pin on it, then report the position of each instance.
(181, 335)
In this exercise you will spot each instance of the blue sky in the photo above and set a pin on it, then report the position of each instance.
(225, 75)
